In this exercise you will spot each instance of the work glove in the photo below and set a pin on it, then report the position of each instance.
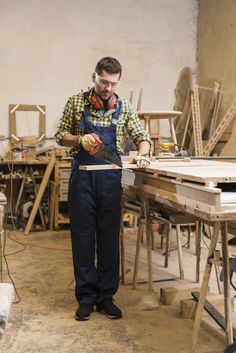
(87, 141)
(141, 161)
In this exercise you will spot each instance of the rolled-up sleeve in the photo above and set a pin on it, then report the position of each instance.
(66, 123)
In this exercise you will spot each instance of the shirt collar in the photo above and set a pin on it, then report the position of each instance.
(88, 99)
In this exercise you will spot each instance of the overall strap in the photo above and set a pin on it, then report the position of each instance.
(116, 114)
(85, 113)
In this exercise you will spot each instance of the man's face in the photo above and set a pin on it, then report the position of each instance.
(105, 84)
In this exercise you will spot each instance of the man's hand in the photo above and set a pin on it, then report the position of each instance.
(141, 161)
(87, 141)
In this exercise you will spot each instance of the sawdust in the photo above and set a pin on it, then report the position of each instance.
(44, 319)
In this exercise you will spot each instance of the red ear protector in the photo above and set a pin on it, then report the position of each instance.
(98, 103)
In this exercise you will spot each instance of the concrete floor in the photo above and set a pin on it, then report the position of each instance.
(44, 321)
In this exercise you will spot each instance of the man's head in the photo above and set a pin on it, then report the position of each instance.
(106, 77)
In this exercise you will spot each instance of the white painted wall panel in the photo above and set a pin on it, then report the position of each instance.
(49, 50)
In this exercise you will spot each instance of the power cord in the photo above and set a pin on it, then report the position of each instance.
(4, 257)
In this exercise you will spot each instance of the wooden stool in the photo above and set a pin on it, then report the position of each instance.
(170, 219)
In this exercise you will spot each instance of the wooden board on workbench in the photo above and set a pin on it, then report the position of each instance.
(201, 171)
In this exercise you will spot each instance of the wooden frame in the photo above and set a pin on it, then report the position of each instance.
(13, 108)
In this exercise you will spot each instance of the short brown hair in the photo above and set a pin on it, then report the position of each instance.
(110, 65)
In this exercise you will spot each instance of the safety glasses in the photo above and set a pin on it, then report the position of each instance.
(105, 83)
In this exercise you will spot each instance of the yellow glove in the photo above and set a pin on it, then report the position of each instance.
(87, 141)
(141, 161)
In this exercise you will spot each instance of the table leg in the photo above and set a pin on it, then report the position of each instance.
(148, 243)
(203, 292)
(138, 245)
(227, 299)
(180, 254)
(198, 234)
(173, 133)
(122, 246)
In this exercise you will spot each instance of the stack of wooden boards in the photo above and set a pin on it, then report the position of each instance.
(205, 115)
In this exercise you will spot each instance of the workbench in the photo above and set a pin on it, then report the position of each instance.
(206, 190)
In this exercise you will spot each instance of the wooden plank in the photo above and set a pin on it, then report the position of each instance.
(56, 181)
(41, 190)
(36, 193)
(183, 103)
(140, 98)
(172, 295)
(52, 204)
(188, 308)
(159, 114)
(148, 243)
(183, 86)
(193, 170)
(209, 109)
(226, 120)
(204, 287)
(224, 173)
(197, 129)
(225, 263)
(107, 166)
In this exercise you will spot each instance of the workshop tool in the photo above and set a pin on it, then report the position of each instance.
(165, 149)
(6, 298)
(6, 289)
(101, 151)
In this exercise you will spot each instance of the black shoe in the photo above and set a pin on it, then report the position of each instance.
(108, 308)
(83, 312)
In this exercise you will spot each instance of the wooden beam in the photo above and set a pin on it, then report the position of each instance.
(226, 120)
(41, 190)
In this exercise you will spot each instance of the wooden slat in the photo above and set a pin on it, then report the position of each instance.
(41, 190)
(197, 129)
(229, 116)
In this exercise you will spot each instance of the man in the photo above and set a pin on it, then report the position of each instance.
(95, 196)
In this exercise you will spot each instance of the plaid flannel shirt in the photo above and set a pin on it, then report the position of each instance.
(128, 122)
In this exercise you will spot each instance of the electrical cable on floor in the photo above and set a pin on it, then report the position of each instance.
(3, 242)
(3, 256)
(17, 251)
(36, 245)
(23, 244)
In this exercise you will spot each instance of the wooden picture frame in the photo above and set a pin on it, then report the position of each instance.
(13, 108)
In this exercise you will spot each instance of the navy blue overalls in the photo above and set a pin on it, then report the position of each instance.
(94, 209)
